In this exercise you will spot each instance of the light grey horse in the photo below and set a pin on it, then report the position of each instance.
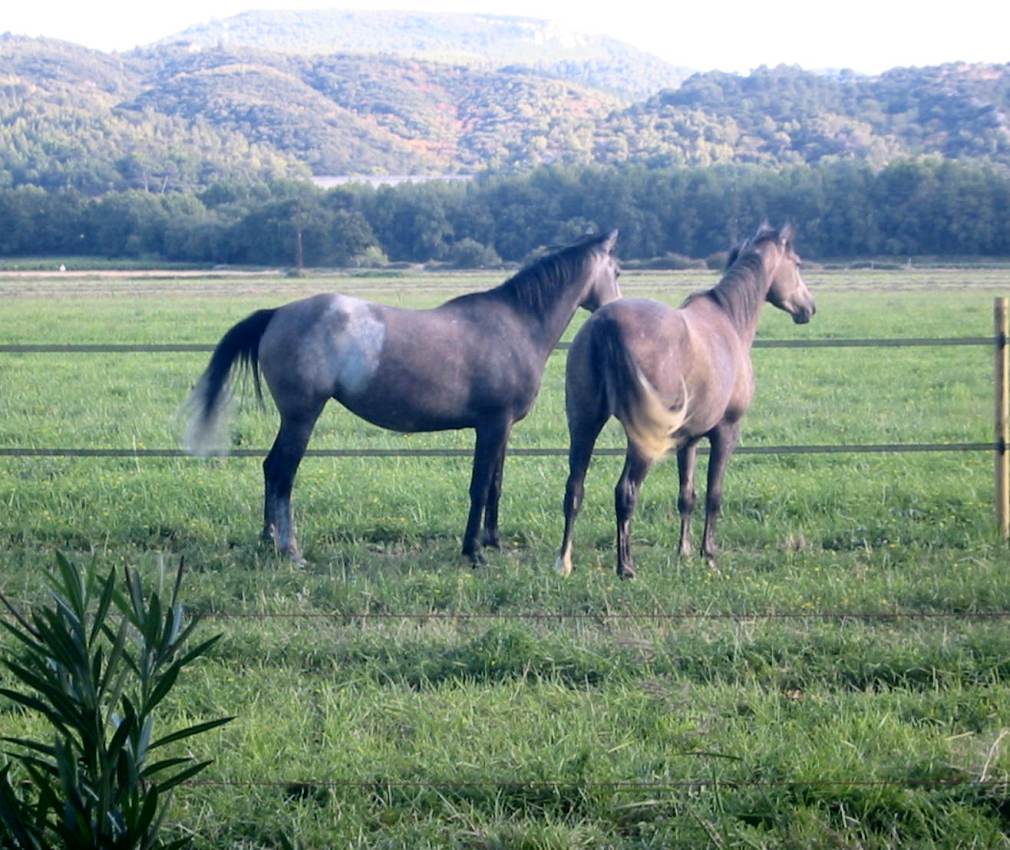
(474, 362)
(673, 376)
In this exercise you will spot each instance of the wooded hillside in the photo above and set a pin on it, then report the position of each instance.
(172, 117)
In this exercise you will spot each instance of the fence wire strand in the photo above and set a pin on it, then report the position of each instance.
(378, 784)
(197, 347)
(599, 617)
(868, 448)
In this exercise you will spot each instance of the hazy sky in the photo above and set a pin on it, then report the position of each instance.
(729, 35)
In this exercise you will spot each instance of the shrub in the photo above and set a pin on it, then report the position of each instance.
(97, 679)
(717, 261)
(468, 253)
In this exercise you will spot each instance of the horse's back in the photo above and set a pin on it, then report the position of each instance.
(408, 370)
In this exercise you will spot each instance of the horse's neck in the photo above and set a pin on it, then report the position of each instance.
(547, 316)
(741, 294)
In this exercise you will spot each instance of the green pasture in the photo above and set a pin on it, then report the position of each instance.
(842, 680)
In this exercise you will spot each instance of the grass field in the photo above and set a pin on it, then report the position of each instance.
(841, 681)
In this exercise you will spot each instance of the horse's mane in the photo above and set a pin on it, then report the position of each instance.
(533, 287)
(736, 291)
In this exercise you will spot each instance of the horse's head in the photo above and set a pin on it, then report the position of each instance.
(604, 270)
(787, 291)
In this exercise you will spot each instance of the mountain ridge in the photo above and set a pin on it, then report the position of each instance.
(477, 40)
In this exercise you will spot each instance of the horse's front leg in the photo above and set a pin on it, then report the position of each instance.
(723, 439)
(687, 455)
(490, 446)
(490, 536)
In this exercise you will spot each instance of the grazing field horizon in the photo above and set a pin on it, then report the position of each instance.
(842, 680)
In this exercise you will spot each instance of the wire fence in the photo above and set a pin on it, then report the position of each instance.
(997, 446)
(305, 786)
(189, 348)
(343, 618)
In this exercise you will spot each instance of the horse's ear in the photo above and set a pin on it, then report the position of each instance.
(609, 241)
(732, 256)
(787, 233)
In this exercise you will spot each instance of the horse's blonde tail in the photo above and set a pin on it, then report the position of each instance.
(206, 423)
(650, 425)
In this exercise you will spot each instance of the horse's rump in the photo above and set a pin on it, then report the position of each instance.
(649, 423)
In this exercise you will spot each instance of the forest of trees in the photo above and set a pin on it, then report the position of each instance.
(926, 206)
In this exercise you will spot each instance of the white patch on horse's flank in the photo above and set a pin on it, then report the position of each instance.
(356, 348)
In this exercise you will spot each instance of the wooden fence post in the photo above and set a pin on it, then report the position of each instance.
(1002, 318)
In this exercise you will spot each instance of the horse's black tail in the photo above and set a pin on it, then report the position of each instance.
(238, 347)
(647, 421)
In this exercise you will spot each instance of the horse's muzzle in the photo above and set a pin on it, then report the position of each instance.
(804, 314)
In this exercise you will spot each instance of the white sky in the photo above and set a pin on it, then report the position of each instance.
(702, 34)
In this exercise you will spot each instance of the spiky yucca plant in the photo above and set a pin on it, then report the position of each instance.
(96, 663)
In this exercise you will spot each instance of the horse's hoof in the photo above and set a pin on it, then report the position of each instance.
(626, 572)
(475, 558)
(563, 566)
(491, 542)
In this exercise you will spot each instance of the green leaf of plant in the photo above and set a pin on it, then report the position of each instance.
(136, 598)
(104, 603)
(189, 731)
(119, 738)
(164, 764)
(16, 818)
(59, 719)
(152, 622)
(182, 776)
(201, 649)
(33, 764)
(69, 584)
(165, 683)
(117, 647)
(29, 744)
(147, 812)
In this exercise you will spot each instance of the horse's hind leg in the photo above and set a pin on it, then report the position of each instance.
(636, 467)
(491, 440)
(279, 469)
(583, 438)
(687, 455)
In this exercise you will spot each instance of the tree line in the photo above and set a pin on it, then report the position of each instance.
(924, 206)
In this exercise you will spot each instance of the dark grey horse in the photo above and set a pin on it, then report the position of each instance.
(672, 377)
(474, 362)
